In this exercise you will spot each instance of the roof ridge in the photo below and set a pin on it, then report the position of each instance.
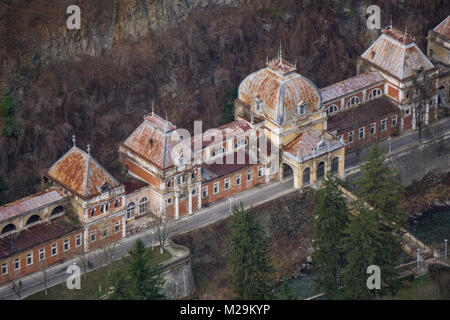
(86, 183)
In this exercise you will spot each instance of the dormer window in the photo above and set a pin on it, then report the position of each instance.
(181, 160)
(322, 146)
(217, 151)
(258, 105)
(104, 187)
(240, 142)
(301, 108)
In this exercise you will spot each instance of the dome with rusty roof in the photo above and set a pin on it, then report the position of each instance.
(279, 92)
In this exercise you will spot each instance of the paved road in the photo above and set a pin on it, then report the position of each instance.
(219, 210)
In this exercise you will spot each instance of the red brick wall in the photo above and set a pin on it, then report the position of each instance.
(147, 176)
(393, 92)
(110, 238)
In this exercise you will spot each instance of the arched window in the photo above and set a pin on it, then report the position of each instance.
(320, 170)
(57, 210)
(117, 203)
(332, 109)
(335, 165)
(258, 105)
(105, 207)
(169, 183)
(143, 205)
(306, 176)
(374, 93)
(240, 142)
(130, 210)
(217, 151)
(92, 212)
(181, 160)
(352, 101)
(33, 219)
(301, 109)
(8, 228)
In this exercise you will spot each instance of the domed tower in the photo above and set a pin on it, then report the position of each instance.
(285, 99)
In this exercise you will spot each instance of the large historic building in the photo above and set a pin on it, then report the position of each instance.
(284, 126)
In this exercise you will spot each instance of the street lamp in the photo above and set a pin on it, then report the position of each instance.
(389, 143)
(230, 200)
(418, 258)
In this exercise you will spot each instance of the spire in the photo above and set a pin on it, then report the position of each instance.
(153, 108)
(280, 54)
(74, 139)
(88, 149)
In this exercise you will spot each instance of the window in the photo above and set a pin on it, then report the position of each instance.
(218, 150)
(29, 258)
(16, 264)
(130, 210)
(182, 196)
(169, 183)
(116, 226)
(350, 136)
(227, 184)
(193, 174)
(54, 249)
(352, 101)
(260, 172)
(341, 137)
(374, 93)
(93, 236)
(238, 179)
(117, 203)
(194, 191)
(105, 207)
(78, 240)
(362, 132)
(92, 212)
(332, 109)
(181, 160)
(105, 228)
(216, 188)
(383, 125)
(258, 105)
(66, 246)
(42, 254)
(407, 94)
(394, 120)
(240, 142)
(205, 192)
(407, 112)
(249, 175)
(4, 269)
(143, 205)
(373, 128)
(301, 109)
(169, 201)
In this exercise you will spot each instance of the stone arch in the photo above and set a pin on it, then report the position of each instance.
(320, 171)
(286, 171)
(57, 210)
(33, 219)
(9, 228)
(306, 176)
(335, 165)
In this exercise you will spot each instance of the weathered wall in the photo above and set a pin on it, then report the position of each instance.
(177, 273)
(415, 162)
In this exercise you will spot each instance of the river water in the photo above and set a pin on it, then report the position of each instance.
(432, 229)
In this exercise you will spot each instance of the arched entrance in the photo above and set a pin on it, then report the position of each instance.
(335, 165)
(306, 177)
(287, 171)
(320, 170)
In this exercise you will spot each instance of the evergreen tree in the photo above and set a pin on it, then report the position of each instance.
(142, 281)
(250, 264)
(286, 292)
(362, 243)
(228, 108)
(329, 226)
(379, 188)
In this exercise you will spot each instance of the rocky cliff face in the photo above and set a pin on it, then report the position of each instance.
(185, 55)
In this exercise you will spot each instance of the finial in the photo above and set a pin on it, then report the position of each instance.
(153, 108)
(74, 139)
(88, 149)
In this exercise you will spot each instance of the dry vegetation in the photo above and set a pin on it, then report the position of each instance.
(287, 224)
(98, 84)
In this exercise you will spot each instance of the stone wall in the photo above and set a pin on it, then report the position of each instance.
(415, 162)
(177, 273)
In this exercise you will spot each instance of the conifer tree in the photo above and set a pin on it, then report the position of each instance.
(286, 292)
(142, 281)
(250, 264)
(330, 219)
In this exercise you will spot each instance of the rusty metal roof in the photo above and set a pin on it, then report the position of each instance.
(350, 85)
(280, 92)
(36, 235)
(305, 142)
(443, 28)
(79, 172)
(152, 140)
(30, 203)
(396, 55)
(239, 160)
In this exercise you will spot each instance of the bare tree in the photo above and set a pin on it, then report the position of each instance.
(422, 92)
(159, 225)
